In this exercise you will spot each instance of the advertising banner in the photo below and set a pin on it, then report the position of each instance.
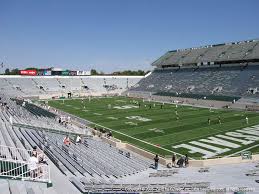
(28, 72)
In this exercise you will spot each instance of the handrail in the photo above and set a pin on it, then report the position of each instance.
(25, 164)
(40, 167)
(17, 168)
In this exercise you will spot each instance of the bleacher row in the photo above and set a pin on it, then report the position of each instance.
(34, 86)
(248, 50)
(85, 187)
(235, 81)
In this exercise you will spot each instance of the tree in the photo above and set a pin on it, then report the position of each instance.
(7, 71)
(15, 71)
(129, 72)
(94, 72)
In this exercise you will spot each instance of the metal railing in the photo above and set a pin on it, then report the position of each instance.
(16, 163)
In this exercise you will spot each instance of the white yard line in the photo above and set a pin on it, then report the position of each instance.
(193, 138)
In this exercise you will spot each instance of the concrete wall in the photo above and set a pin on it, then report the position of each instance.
(218, 161)
(187, 101)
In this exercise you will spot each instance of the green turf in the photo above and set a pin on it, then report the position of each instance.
(164, 130)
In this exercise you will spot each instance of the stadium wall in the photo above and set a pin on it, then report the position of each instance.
(219, 161)
(185, 101)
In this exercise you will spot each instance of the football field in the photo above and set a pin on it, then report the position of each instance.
(166, 128)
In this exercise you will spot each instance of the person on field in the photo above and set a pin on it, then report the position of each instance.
(247, 120)
(156, 159)
(219, 120)
(209, 121)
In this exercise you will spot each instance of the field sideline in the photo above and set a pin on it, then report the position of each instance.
(158, 124)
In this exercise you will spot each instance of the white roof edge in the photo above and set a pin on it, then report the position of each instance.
(148, 74)
(91, 76)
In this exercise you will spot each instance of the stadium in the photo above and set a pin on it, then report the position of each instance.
(201, 102)
(129, 97)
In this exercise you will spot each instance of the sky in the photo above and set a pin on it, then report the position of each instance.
(115, 35)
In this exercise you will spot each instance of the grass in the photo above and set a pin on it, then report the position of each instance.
(162, 130)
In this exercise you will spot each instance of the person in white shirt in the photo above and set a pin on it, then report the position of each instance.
(33, 162)
(246, 120)
(78, 139)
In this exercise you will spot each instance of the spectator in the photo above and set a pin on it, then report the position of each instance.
(128, 154)
(79, 139)
(180, 162)
(109, 134)
(156, 159)
(173, 160)
(186, 161)
(66, 140)
(33, 161)
(34, 151)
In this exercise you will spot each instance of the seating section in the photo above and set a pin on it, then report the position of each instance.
(92, 161)
(236, 51)
(93, 158)
(90, 85)
(235, 81)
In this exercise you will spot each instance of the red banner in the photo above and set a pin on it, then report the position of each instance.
(28, 72)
